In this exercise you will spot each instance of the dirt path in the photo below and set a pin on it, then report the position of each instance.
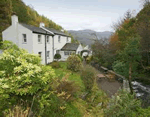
(110, 87)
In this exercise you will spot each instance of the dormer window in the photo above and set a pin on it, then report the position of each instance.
(59, 39)
(39, 38)
(47, 39)
(24, 38)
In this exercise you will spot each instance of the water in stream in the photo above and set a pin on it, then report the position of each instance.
(142, 91)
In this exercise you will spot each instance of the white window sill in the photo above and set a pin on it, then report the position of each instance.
(24, 43)
(39, 42)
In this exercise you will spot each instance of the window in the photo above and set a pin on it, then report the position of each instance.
(48, 53)
(59, 39)
(24, 38)
(47, 39)
(67, 39)
(57, 51)
(66, 53)
(40, 54)
(39, 38)
(78, 52)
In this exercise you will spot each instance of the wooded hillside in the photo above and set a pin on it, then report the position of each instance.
(25, 13)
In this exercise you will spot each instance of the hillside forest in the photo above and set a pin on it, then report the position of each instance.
(26, 14)
(127, 51)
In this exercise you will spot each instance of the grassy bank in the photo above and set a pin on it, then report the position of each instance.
(84, 107)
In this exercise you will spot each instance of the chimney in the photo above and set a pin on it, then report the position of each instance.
(42, 24)
(14, 19)
(62, 30)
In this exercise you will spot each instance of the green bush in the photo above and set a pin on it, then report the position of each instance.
(74, 63)
(88, 75)
(67, 89)
(97, 100)
(21, 77)
(89, 59)
(55, 64)
(80, 57)
(57, 56)
(125, 105)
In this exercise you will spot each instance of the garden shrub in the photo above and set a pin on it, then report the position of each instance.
(124, 104)
(97, 96)
(74, 63)
(88, 75)
(55, 64)
(21, 77)
(17, 110)
(89, 59)
(97, 100)
(57, 56)
(68, 88)
(80, 57)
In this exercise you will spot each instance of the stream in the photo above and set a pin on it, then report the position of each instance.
(142, 91)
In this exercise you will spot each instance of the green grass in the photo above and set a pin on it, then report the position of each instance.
(73, 76)
(79, 107)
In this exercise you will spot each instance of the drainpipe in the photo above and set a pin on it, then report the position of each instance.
(45, 50)
(53, 46)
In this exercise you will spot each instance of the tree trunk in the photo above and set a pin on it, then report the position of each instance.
(130, 77)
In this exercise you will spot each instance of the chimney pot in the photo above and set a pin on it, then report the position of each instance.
(42, 24)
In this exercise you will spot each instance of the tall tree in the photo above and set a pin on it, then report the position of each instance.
(143, 29)
(5, 14)
(128, 59)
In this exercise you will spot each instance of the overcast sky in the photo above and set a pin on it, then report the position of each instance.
(96, 15)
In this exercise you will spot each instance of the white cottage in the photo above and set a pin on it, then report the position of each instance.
(39, 40)
(70, 48)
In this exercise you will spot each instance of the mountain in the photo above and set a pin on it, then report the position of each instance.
(87, 36)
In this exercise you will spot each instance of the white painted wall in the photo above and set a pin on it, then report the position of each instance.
(40, 47)
(29, 44)
(63, 56)
(59, 45)
(15, 33)
(10, 35)
(79, 49)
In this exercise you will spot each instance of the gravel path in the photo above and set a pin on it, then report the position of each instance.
(110, 87)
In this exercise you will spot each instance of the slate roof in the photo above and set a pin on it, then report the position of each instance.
(70, 47)
(35, 29)
(57, 32)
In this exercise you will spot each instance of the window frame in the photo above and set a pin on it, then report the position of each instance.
(57, 51)
(24, 38)
(59, 38)
(48, 54)
(67, 39)
(47, 39)
(39, 38)
(67, 53)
